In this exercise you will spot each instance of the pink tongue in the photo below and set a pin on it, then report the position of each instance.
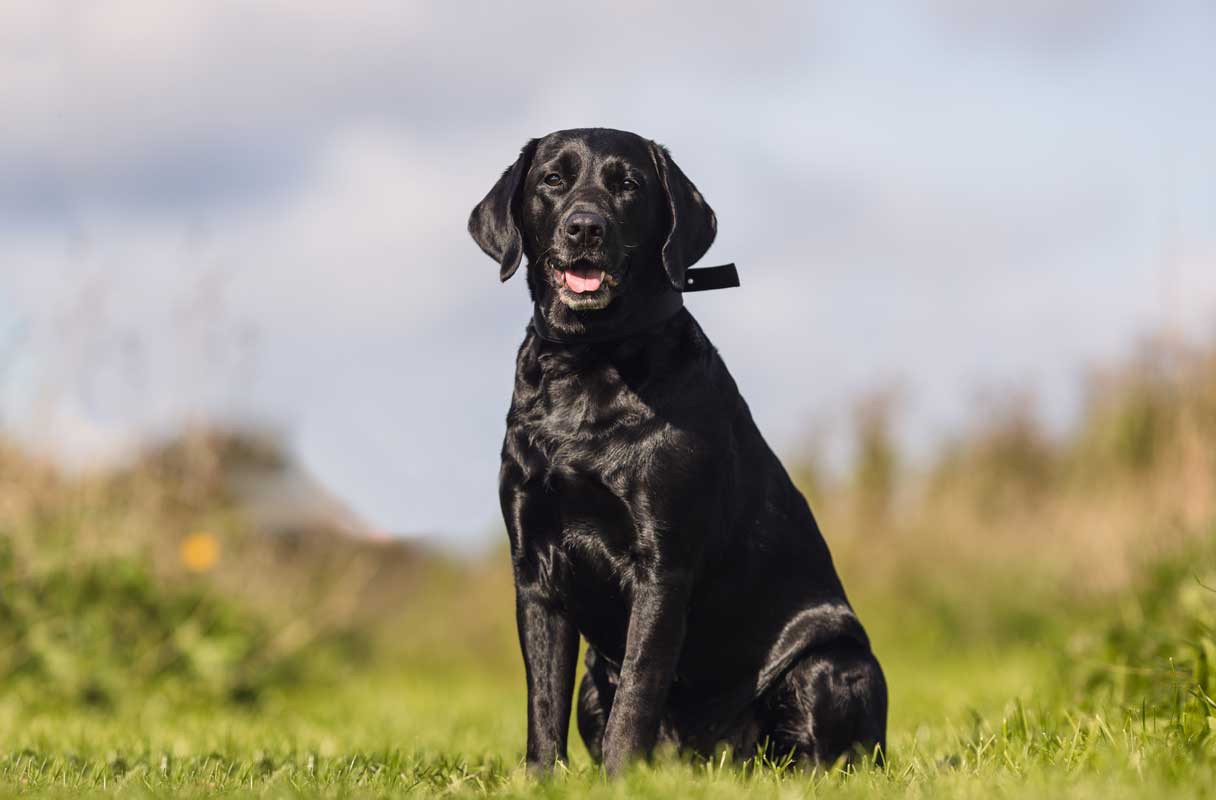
(579, 283)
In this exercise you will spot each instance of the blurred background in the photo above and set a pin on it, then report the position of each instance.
(253, 373)
(227, 213)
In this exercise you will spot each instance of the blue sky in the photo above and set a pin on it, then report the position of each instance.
(222, 211)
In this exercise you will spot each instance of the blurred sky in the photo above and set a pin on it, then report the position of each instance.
(217, 210)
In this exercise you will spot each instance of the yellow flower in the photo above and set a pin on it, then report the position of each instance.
(200, 551)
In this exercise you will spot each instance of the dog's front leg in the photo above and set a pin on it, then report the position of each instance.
(652, 649)
(550, 648)
(547, 638)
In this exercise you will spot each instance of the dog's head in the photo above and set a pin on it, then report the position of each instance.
(607, 221)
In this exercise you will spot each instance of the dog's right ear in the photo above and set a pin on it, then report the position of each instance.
(693, 224)
(494, 223)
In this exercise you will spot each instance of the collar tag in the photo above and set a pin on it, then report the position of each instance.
(704, 279)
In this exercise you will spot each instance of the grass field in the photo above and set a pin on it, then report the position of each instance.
(1007, 703)
(993, 718)
(1045, 612)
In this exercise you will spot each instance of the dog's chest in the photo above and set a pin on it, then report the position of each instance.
(593, 443)
(588, 428)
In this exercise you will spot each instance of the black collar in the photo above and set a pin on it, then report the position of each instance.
(701, 279)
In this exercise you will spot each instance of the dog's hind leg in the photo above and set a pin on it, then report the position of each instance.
(595, 696)
(832, 703)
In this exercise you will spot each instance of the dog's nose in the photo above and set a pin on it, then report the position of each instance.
(585, 227)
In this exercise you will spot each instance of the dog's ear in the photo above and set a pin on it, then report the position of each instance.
(693, 224)
(494, 223)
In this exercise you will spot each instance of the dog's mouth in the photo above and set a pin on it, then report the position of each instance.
(580, 278)
(583, 283)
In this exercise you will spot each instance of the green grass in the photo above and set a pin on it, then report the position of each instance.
(987, 704)
(460, 733)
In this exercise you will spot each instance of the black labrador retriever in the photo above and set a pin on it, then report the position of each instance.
(645, 511)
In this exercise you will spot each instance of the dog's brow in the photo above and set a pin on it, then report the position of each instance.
(568, 160)
(618, 166)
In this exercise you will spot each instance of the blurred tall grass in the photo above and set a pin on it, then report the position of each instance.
(1133, 480)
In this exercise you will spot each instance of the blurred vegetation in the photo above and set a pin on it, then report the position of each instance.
(877, 461)
(1159, 651)
(153, 578)
(1042, 604)
(86, 634)
(1133, 480)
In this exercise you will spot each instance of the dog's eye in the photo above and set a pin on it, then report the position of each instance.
(553, 179)
(628, 185)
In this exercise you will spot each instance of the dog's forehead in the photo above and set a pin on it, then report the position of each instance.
(594, 144)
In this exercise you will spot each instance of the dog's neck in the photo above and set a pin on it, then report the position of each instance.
(664, 308)
(653, 314)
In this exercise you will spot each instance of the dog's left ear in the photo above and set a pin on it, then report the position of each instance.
(693, 224)
(494, 223)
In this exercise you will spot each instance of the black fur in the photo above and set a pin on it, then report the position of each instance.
(645, 511)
